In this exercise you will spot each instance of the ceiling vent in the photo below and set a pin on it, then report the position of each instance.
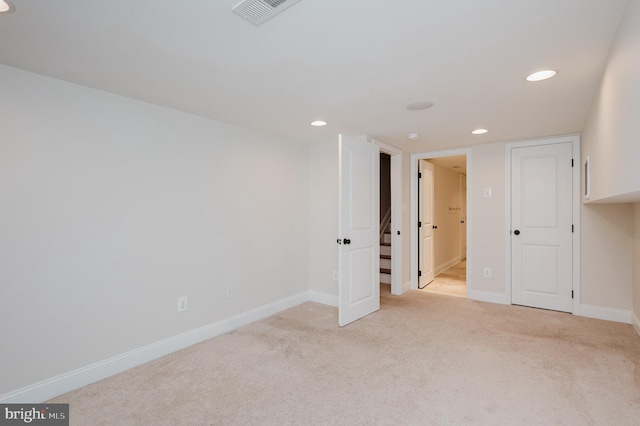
(258, 11)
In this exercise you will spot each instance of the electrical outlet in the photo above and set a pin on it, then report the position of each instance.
(487, 193)
(229, 292)
(335, 276)
(487, 272)
(182, 304)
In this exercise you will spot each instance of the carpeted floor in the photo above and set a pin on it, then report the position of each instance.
(424, 358)
(452, 281)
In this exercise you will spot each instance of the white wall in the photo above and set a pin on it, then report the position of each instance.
(611, 141)
(486, 223)
(323, 218)
(112, 208)
(606, 256)
(636, 267)
(611, 134)
(446, 196)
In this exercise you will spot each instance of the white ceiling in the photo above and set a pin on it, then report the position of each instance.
(353, 63)
(457, 163)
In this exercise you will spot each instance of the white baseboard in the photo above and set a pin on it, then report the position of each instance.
(609, 314)
(441, 268)
(636, 324)
(75, 379)
(323, 298)
(485, 296)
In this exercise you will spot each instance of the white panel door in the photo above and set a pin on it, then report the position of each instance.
(359, 227)
(541, 226)
(426, 224)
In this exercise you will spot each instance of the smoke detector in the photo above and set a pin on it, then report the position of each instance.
(258, 11)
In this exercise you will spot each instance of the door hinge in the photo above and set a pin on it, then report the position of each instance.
(419, 224)
(419, 273)
(572, 229)
(572, 162)
(572, 294)
(419, 175)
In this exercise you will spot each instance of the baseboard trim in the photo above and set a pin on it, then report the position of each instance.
(323, 298)
(609, 314)
(75, 379)
(441, 268)
(485, 296)
(636, 324)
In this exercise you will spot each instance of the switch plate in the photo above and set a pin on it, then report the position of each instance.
(229, 292)
(182, 304)
(335, 275)
(487, 193)
(487, 272)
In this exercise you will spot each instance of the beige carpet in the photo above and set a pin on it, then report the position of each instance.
(452, 281)
(423, 359)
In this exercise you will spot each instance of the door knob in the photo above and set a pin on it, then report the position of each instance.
(347, 241)
(516, 232)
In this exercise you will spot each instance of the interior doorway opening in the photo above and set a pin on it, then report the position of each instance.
(391, 208)
(442, 224)
(386, 239)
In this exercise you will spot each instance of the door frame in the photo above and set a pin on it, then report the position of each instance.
(397, 241)
(576, 204)
(414, 261)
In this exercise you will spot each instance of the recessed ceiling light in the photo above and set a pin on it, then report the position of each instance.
(318, 123)
(479, 131)
(541, 75)
(6, 6)
(413, 136)
(416, 106)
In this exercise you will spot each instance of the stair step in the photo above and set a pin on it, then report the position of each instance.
(385, 256)
(385, 263)
(385, 244)
(385, 271)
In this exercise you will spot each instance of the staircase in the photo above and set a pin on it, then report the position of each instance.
(385, 255)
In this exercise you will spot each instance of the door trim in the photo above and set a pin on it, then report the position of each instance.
(575, 143)
(413, 224)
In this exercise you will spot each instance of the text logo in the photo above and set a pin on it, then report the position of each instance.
(34, 414)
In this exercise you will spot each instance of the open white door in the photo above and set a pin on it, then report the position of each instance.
(426, 225)
(359, 224)
(542, 229)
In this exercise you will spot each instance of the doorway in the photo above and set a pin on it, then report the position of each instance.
(447, 225)
(391, 234)
(442, 225)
